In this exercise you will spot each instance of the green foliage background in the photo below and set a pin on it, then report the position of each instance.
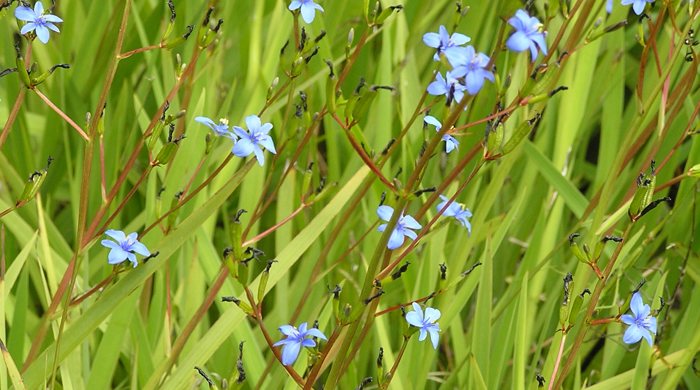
(626, 105)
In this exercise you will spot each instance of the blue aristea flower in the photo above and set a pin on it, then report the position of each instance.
(637, 5)
(447, 86)
(528, 34)
(457, 211)
(444, 43)
(251, 141)
(124, 247)
(450, 142)
(641, 323)
(296, 338)
(308, 9)
(427, 323)
(220, 129)
(401, 230)
(473, 67)
(37, 21)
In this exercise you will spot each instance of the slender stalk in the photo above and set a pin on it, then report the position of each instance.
(61, 114)
(392, 371)
(557, 361)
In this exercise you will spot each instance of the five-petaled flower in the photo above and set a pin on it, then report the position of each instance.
(308, 9)
(220, 129)
(296, 338)
(124, 247)
(401, 230)
(450, 142)
(641, 323)
(450, 87)
(250, 142)
(37, 21)
(426, 322)
(528, 34)
(444, 42)
(637, 5)
(457, 211)
(473, 67)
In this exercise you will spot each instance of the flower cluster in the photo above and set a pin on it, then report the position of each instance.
(641, 323)
(245, 142)
(403, 227)
(469, 68)
(296, 338)
(457, 211)
(123, 247)
(37, 21)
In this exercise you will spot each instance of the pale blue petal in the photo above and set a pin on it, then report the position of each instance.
(541, 43)
(205, 121)
(459, 39)
(268, 144)
(637, 305)
(647, 337)
(423, 334)
(431, 39)
(290, 352)
(132, 259)
(627, 319)
(284, 342)
(382, 227)
(288, 330)
(316, 333)
(633, 334)
(395, 240)
(53, 18)
(410, 222)
(265, 128)
(308, 12)
(518, 42)
(117, 256)
(38, 8)
(638, 8)
(110, 244)
(651, 324)
(27, 28)
(431, 315)
(414, 319)
(259, 155)
(474, 83)
(253, 122)
(116, 234)
(385, 212)
(295, 4)
(418, 309)
(431, 120)
(42, 33)
(409, 233)
(53, 27)
(140, 249)
(302, 328)
(308, 343)
(243, 148)
(25, 13)
(240, 132)
(434, 337)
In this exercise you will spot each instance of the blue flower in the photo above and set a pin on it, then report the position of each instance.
(296, 338)
(251, 141)
(220, 129)
(401, 230)
(444, 43)
(528, 34)
(637, 5)
(472, 66)
(641, 323)
(450, 142)
(457, 211)
(37, 21)
(425, 322)
(308, 9)
(450, 87)
(124, 247)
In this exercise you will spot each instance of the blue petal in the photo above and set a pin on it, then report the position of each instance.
(418, 309)
(431, 315)
(395, 240)
(116, 234)
(308, 12)
(385, 212)
(518, 42)
(288, 330)
(434, 337)
(295, 4)
(633, 334)
(267, 143)
(243, 148)
(205, 121)
(240, 132)
(286, 341)
(290, 352)
(459, 39)
(382, 227)
(302, 328)
(647, 337)
(431, 120)
(316, 333)
(540, 41)
(52, 18)
(431, 39)
(27, 28)
(423, 334)
(259, 155)
(25, 13)
(308, 343)
(140, 249)
(410, 222)
(252, 122)
(110, 244)
(117, 256)
(638, 8)
(438, 87)
(627, 319)
(409, 233)
(651, 324)
(53, 27)
(637, 305)
(132, 259)
(474, 82)
(414, 319)
(38, 8)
